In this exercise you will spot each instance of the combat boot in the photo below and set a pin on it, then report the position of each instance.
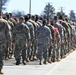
(45, 61)
(27, 59)
(31, 59)
(35, 57)
(49, 60)
(40, 63)
(58, 59)
(1, 71)
(17, 62)
(24, 62)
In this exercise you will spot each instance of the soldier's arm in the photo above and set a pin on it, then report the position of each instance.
(27, 32)
(8, 34)
(58, 36)
(49, 34)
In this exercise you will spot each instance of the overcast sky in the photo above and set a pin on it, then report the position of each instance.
(38, 5)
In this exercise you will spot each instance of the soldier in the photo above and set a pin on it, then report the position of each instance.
(73, 36)
(38, 20)
(32, 36)
(44, 39)
(59, 27)
(5, 38)
(12, 19)
(9, 51)
(35, 41)
(33, 47)
(50, 51)
(21, 39)
(66, 33)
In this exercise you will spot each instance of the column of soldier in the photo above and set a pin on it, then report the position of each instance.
(31, 37)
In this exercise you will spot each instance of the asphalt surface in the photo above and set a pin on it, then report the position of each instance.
(66, 66)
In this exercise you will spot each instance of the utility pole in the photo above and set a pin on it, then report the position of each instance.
(29, 6)
(61, 10)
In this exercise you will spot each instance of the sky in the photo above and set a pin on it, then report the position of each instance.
(37, 6)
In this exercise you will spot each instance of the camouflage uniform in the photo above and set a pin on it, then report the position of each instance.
(9, 51)
(44, 39)
(57, 25)
(65, 25)
(34, 43)
(73, 36)
(32, 37)
(5, 38)
(21, 38)
(50, 52)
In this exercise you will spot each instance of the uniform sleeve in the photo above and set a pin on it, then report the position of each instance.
(49, 35)
(27, 32)
(8, 33)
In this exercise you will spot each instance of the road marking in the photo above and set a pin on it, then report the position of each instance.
(49, 73)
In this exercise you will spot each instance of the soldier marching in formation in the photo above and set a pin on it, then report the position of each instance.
(31, 37)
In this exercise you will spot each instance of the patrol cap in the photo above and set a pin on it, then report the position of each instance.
(37, 17)
(55, 17)
(8, 16)
(44, 21)
(26, 17)
(40, 18)
(22, 18)
(29, 15)
(33, 17)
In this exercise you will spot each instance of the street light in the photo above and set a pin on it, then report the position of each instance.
(29, 6)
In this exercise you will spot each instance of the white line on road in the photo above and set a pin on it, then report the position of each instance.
(49, 73)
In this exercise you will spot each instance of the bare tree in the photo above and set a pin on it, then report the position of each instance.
(2, 4)
(18, 13)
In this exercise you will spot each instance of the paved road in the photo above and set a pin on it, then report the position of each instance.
(66, 66)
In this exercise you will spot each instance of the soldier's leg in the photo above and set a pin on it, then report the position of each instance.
(1, 65)
(24, 56)
(1, 61)
(53, 52)
(28, 52)
(40, 53)
(35, 51)
(1, 57)
(45, 53)
(6, 52)
(62, 51)
(17, 54)
(49, 54)
(32, 51)
(58, 52)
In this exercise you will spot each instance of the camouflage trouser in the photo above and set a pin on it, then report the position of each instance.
(6, 51)
(63, 52)
(20, 50)
(2, 49)
(34, 47)
(50, 51)
(57, 49)
(29, 49)
(42, 51)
